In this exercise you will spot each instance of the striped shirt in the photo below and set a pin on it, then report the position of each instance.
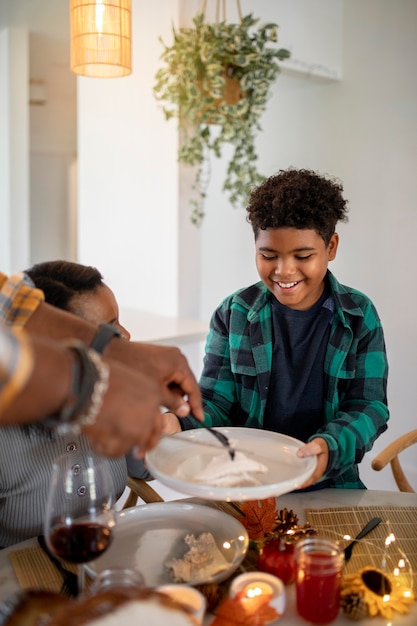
(27, 455)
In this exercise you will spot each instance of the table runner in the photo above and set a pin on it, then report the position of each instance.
(401, 521)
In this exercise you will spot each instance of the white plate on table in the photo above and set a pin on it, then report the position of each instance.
(175, 461)
(147, 536)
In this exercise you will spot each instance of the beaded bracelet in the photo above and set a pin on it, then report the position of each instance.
(90, 378)
(83, 377)
(87, 418)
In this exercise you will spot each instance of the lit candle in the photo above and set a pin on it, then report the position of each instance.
(258, 589)
(255, 584)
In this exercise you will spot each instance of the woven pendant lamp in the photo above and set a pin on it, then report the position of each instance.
(101, 38)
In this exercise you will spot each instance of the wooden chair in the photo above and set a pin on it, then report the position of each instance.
(390, 455)
(140, 488)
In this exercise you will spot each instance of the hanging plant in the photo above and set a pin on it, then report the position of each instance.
(216, 80)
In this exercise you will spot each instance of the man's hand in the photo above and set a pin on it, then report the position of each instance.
(130, 416)
(167, 366)
(163, 378)
(317, 447)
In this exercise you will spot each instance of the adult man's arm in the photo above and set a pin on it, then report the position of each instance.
(167, 366)
(129, 415)
(142, 377)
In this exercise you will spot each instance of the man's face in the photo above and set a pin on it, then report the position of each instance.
(292, 263)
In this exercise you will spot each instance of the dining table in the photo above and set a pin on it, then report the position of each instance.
(340, 502)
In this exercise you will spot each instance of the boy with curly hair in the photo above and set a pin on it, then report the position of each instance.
(299, 353)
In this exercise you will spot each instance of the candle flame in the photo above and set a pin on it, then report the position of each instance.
(255, 591)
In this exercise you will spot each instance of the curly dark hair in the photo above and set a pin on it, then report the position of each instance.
(297, 198)
(61, 281)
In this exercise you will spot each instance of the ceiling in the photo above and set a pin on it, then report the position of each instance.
(47, 22)
(44, 17)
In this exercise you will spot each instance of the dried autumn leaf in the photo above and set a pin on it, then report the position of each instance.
(244, 611)
(259, 517)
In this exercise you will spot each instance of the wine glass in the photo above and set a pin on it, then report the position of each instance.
(80, 515)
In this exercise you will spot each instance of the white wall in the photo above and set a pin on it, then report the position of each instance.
(14, 149)
(360, 128)
(377, 162)
(53, 146)
(128, 177)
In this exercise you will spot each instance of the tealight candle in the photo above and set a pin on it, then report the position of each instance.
(255, 584)
(258, 589)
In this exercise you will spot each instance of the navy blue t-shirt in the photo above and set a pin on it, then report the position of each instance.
(295, 398)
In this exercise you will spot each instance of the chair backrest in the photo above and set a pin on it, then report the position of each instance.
(390, 455)
(140, 488)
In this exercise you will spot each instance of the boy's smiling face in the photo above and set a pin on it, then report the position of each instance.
(292, 263)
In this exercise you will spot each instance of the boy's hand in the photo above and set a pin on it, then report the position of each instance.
(316, 447)
(171, 424)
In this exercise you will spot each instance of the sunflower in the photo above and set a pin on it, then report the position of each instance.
(381, 593)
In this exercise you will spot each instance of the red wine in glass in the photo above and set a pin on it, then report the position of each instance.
(80, 516)
(80, 543)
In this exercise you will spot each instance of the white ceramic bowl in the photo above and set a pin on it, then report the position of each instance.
(148, 536)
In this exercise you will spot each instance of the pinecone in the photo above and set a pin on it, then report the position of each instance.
(285, 520)
(354, 605)
(286, 524)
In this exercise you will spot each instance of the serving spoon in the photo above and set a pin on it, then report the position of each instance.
(223, 440)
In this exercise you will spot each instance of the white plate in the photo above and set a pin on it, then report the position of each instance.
(175, 462)
(148, 536)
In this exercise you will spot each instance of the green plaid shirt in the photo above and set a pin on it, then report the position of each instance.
(237, 367)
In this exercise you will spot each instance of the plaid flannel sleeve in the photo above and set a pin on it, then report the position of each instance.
(362, 411)
(16, 361)
(18, 299)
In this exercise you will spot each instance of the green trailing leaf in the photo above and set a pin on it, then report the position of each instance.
(192, 85)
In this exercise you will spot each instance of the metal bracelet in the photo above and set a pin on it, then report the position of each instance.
(101, 385)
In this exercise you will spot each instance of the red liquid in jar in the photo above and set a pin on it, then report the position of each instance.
(318, 589)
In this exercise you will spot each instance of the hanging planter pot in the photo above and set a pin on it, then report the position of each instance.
(231, 95)
(215, 79)
(231, 92)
